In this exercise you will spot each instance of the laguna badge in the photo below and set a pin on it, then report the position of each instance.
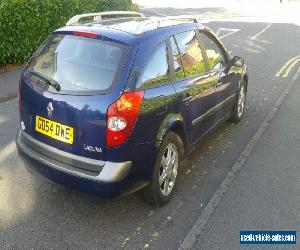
(92, 148)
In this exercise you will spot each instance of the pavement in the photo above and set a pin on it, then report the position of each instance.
(38, 214)
(9, 84)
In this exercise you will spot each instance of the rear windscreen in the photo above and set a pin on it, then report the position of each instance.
(78, 64)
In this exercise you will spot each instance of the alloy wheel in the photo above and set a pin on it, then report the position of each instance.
(168, 169)
(241, 101)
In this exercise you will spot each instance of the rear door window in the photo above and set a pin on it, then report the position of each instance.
(79, 64)
(191, 54)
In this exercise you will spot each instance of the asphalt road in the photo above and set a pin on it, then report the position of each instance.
(35, 213)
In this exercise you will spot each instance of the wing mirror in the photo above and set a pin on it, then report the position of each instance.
(237, 61)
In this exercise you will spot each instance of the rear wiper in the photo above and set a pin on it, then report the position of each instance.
(51, 82)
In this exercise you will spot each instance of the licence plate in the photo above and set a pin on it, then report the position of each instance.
(54, 129)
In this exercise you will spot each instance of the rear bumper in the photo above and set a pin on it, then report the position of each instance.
(63, 167)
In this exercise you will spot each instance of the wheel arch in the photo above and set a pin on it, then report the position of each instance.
(245, 78)
(174, 123)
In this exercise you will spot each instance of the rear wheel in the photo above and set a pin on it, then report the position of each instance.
(240, 104)
(163, 181)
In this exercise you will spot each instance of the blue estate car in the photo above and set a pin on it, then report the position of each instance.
(111, 106)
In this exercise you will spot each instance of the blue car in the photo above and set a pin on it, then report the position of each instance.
(112, 105)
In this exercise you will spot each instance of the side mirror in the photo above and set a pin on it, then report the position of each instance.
(237, 61)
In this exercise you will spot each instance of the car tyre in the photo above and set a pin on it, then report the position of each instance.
(239, 107)
(163, 181)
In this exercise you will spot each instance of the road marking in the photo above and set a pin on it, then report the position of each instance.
(230, 32)
(282, 69)
(288, 70)
(259, 33)
(196, 230)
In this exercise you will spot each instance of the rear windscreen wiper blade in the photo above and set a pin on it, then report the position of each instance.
(51, 82)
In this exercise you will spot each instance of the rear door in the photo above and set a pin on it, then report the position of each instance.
(193, 84)
(72, 119)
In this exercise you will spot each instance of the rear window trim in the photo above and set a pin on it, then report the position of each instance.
(109, 90)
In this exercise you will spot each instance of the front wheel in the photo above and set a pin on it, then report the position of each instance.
(163, 181)
(240, 104)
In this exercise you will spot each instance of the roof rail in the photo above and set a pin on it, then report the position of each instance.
(158, 22)
(98, 16)
(180, 18)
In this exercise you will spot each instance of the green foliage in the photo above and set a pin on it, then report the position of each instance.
(24, 24)
(158, 80)
(134, 7)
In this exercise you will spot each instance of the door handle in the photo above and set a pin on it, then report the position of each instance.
(219, 84)
(187, 98)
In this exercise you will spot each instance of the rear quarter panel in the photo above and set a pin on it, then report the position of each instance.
(160, 104)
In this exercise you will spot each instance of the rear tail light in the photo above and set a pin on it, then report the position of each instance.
(121, 117)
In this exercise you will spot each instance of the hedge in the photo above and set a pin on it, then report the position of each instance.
(24, 24)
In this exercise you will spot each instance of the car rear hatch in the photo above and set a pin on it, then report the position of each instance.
(66, 89)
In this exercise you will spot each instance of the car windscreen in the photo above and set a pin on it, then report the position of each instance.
(78, 64)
